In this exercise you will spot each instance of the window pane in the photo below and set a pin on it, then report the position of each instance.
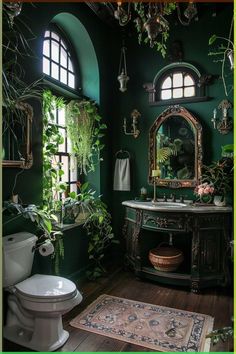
(189, 91)
(59, 66)
(165, 94)
(62, 147)
(46, 47)
(73, 188)
(70, 66)
(61, 116)
(177, 93)
(177, 80)
(166, 83)
(73, 169)
(63, 77)
(47, 34)
(46, 66)
(63, 44)
(65, 168)
(188, 81)
(53, 116)
(55, 36)
(71, 82)
(55, 71)
(63, 61)
(55, 51)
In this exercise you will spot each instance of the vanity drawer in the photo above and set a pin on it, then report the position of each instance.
(130, 214)
(164, 221)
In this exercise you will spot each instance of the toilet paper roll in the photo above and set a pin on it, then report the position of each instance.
(46, 249)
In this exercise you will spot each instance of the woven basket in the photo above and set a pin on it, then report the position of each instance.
(166, 258)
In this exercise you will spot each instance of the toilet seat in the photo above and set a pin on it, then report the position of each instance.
(46, 288)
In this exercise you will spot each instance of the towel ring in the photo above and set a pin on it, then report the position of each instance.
(123, 151)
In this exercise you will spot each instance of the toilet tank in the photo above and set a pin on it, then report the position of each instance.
(18, 256)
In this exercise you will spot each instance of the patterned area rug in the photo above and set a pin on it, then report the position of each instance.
(156, 327)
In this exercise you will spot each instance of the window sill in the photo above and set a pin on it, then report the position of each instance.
(65, 227)
(179, 101)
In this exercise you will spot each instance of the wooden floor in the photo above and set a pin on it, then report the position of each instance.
(215, 302)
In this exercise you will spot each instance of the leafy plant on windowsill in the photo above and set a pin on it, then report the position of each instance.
(85, 130)
(97, 223)
(224, 50)
(77, 207)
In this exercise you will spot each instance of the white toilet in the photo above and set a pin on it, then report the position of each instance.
(35, 304)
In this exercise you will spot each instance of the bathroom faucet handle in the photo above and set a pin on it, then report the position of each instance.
(165, 197)
(181, 198)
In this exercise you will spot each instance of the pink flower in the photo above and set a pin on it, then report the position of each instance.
(204, 189)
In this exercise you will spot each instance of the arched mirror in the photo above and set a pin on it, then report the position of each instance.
(175, 148)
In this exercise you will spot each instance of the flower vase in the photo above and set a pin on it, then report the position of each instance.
(219, 200)
(206, 199)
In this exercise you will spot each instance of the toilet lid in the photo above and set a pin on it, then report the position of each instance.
(46, 287)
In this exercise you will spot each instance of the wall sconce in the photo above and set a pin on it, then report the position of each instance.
(123, 78)
(224, 125)
(134, 130)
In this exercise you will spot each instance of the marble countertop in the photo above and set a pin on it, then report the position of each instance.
(187, 206)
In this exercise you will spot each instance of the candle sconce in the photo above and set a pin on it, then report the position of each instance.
(134, 130)
(224, 125)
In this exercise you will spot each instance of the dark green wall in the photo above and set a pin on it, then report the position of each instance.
(143, 63)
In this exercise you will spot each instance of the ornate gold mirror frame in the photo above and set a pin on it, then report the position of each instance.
(26, 161)
(174, 111)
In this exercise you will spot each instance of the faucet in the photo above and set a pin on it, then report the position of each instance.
(173, 197)
(165, 198)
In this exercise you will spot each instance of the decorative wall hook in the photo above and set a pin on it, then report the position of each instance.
(223, 125)
(134, 130)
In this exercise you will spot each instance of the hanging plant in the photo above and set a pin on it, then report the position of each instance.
(223, 51)
(84, 129)
(153, 24)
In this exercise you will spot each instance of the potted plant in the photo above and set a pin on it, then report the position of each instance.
(78, 207)
(220, 176)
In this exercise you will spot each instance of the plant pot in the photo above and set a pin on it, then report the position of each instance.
(206, 199)
(219, 200)
(166, 259)
(82, 217)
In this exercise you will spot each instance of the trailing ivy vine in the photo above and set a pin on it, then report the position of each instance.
(52, 170)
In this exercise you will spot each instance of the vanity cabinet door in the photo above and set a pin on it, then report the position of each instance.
(128, 232)
(209, 247)
(131, 231)
(210, 252)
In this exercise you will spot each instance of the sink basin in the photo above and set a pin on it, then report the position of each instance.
(170, 204)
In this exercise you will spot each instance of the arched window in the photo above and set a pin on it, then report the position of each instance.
(177, 83)
(59, 64)
(57, 61)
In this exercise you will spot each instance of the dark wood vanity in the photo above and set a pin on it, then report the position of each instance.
(201, 232)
